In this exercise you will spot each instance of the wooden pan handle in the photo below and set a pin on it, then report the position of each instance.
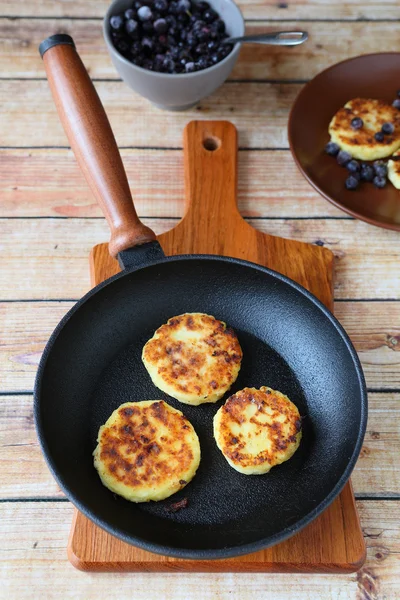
(92, 140)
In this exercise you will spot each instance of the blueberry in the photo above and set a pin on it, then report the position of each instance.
(198, 25)
(379, 181)
(352, 182)
(379, 136)
(161, 6)
(148, 27)
(201, 49)
(191, 41)
(212, 45)
(147, 45)
(202, 6)
(396, 103)
(183, 6)
(367, 172)
(353, 166)
(203, 34)
(136, 48)
(224, 50)
(144, 13)
(173, 8)
(219, 26)
(130, 14)
(123, 46)
(175, 52)
(132, 27)
(116, 22)
(343, 158)
(387, 128)
(172, 22)
(356, 123)
(202, 63)
(332, 149)
(380, 168)
(210, 16)
(168, 65)
(137, 4)
(190, 67)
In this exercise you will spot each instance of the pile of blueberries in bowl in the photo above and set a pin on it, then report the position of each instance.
(170, 36)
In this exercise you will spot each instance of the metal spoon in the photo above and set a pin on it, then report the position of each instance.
(277, 38)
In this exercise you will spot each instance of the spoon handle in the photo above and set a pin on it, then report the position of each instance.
(280, 38)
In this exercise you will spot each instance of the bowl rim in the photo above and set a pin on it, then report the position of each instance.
(113, 50)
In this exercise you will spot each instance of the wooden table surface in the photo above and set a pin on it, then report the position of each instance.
(49, 221)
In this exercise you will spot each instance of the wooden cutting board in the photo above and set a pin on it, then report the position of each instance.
(212, 225)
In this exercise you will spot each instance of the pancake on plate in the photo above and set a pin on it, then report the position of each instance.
(361, 143)
(194, 358)
(146, 451)
(394, 169)
(257, 429)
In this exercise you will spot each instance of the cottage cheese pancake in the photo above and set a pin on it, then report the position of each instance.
(394, 169)
(257, 429)
(361, 142)
(146, 451)
(193, 357)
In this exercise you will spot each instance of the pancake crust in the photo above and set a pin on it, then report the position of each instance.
(361, 143)
(146, 451)
(194, 358)
(257, 429)
(394, 169)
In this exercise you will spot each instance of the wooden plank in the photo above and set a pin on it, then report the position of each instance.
(372, 326)
(252, 9)
(35, 538)
(42, 182)
(20, 38)
(24, 473)
(57, 268)
(258, 110)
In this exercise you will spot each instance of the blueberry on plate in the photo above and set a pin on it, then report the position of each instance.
(343, 158)
(379, 136)
(130, 14)
(396, 103)
(353, 166)
(352, 182)
(387, 128)
(367, 172)
(379, 182)
(356, 123)
(380, 168)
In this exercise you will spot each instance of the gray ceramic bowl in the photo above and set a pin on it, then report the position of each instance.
(181, 91)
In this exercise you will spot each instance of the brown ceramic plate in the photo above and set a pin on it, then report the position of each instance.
(368, 76)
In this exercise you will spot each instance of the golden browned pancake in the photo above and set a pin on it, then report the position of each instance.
(193, 357)
(394, 169)
(257, 429)
(361, 143)
(146, 451)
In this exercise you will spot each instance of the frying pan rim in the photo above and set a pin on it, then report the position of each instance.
(202, 554)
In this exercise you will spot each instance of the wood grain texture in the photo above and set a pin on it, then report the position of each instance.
(252, 9)
(39, 549)
(24, 473)
(68, 242)
(33, 120)
(19, 40)
(212, 224)
(48, 183)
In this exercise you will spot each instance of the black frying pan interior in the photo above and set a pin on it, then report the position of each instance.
(290, 342)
